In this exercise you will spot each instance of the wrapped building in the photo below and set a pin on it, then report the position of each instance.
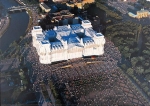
(67, 42)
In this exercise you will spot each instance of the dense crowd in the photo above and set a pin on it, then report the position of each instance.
(90, 80)
(112, 89)
(82, 76)
(101, 63)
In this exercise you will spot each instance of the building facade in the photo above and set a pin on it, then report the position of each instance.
(67, 42)
(132, 15)
(142, 13)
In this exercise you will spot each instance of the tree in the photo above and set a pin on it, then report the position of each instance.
(146, 89)
(148, 93)
(139, 70)
(134, 60)
(124, 67)
(147, 71)
(136, 49)
(21, 73)
(108, 11)
(143, 85)
(148, 77)
(147, 43)
(127, 55)
(146, 64)
(24, 81)
(146, 52)
(140, 58)
(126, 49)
(130, 71)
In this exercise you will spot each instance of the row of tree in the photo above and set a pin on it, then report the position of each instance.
(145, 3)
(102, 4)
(126, 37)
(108, 11)
(146, 51)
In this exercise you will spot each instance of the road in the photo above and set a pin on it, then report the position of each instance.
(4, 23)
(50, 95)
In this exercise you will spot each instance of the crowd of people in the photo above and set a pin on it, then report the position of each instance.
(77, 66)
(113, 88)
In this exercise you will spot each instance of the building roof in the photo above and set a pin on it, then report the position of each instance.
(71, 35)
(37, 27)
(99, 34)
(45, 6)
(86, 21)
